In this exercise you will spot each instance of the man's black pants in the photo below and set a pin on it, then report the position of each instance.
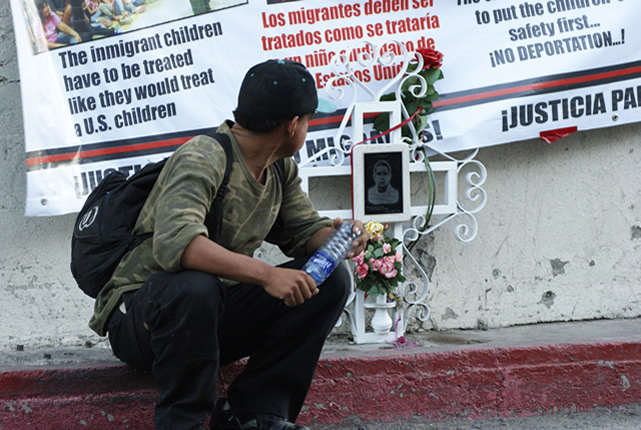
(184, 325)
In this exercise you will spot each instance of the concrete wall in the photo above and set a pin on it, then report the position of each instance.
(559, 238)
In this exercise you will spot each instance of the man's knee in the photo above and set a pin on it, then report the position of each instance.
(189, 289)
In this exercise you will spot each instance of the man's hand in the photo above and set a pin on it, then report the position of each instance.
(360, 243)
(321, 235)
(290, 285)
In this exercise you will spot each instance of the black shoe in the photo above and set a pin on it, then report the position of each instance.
(225, 419)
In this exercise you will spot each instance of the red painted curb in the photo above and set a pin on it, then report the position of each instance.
(478, 383)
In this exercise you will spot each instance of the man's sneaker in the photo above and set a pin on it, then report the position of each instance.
(225, 419)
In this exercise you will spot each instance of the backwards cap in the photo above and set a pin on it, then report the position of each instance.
(279, 90)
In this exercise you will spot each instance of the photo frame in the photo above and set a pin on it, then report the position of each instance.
(380, 182)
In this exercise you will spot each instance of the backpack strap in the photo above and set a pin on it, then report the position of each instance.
(215, 216)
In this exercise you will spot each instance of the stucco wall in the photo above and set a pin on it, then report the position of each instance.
(559, 238)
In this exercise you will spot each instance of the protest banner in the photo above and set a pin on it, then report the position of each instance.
(122, 99)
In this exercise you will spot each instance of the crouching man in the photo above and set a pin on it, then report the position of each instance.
(182, 304)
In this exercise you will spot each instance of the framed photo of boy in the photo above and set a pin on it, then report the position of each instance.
(381, 182)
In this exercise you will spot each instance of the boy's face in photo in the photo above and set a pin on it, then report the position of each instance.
(382, 176)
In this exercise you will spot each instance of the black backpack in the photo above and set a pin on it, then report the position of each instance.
(102, 234)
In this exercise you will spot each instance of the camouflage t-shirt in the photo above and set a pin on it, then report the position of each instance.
(176, 209)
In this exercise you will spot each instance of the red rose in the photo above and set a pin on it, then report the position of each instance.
(431, 58)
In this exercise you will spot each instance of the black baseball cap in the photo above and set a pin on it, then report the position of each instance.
(279, 90)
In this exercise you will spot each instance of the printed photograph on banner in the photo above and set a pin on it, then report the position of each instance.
(56, 23)
(279, 1)
(34, 26)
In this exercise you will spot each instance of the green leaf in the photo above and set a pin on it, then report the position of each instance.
(425, 103)
(433, 96)
(388, 97)
(381, 123)
(412, 66)
(409, 82)
(422, 123)
(432, 75)
(411, 106)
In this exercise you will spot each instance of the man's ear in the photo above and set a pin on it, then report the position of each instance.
(291, 125)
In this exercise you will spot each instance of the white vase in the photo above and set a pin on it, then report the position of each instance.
(381, 321)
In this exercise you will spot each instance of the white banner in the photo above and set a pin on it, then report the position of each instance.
(513, 71)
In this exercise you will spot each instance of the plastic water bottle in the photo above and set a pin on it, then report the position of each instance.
(331, 253)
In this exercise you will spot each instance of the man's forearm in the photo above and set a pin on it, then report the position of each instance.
(317, 239)
(207, 256)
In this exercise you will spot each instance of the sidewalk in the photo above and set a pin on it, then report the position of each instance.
(509, 372)
(615, 418)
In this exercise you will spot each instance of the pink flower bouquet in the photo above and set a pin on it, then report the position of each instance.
(378, 268)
